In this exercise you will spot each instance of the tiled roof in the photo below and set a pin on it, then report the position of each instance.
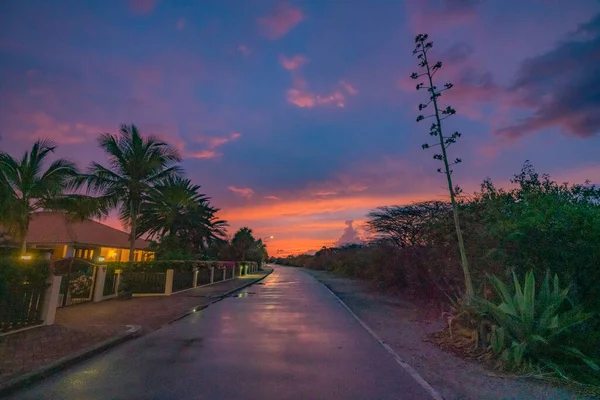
(57, 228)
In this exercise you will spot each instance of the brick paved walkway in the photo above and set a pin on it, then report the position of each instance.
(81, 326)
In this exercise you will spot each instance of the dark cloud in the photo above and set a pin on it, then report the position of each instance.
(472, 90)
(459, 52)
(350, 235)
(562, 86)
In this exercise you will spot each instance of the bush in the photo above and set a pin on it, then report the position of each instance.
(14, 271)
(153, 266)
(529, 329)
(538, 225)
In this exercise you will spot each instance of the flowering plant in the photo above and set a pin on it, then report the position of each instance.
(81, 286)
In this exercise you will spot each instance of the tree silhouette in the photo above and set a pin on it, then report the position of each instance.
(421, 51)
(174, 210)
(136, 165)
(242, 242)
(26, 187)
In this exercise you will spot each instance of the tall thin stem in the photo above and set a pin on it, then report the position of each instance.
(461, 245)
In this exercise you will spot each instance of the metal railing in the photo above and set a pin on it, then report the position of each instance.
(182, 280)
(110, 282)
(144, 282)
(22, 307)
(203, 277)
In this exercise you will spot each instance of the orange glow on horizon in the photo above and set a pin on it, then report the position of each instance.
(290, 221)
(317, 206)
(306, 224)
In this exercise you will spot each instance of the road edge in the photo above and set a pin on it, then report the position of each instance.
(219, 298)
(406, 366)
(63, 363)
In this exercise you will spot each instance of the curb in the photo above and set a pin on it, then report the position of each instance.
(44, 371)
(217, 299)
(63, 363)
(407, 367)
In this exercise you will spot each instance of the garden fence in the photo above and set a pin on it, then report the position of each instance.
(22, 307)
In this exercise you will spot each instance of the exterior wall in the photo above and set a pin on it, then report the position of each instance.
(59, 252)
(93, 253)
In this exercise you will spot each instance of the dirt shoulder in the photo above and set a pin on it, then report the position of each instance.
(405, 327)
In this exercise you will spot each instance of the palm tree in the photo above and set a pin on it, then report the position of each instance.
(258, 251)
(175, 209)
(168, 205)
(136, 165)
(25, 187)
(242, 242)
(207, 230)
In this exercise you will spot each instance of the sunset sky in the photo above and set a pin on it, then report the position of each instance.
(298, 117)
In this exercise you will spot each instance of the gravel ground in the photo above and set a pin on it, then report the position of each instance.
(405, 326)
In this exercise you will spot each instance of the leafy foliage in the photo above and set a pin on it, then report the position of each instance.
(242, 243)
(26, 186)
(531, 329)
(176, 213)
(136, 165)
(14, 271)
(537, 225)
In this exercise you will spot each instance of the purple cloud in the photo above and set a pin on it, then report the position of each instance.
(561, 87)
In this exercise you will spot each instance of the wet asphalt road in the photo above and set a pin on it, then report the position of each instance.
(287, 338)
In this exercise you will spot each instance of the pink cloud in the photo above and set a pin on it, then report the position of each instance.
(242, 191)
(272, 198)
(579, 174)
(348, 88)
(204, 154)
(293, 63)
(301, 98)
(39, 124)
(245, 50)
(142, 6)
(216, 142)
(282, 20)
(326, 193)
(213, 143)
(357, 188)
(490, 152)
(336, 98)
(571, 123)
(180, 24)
(350, 235)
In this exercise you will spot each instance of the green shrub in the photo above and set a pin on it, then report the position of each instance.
(532, 329)
(153, 266)
(13, 271)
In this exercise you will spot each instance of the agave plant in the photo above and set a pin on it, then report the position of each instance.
(532, 329)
